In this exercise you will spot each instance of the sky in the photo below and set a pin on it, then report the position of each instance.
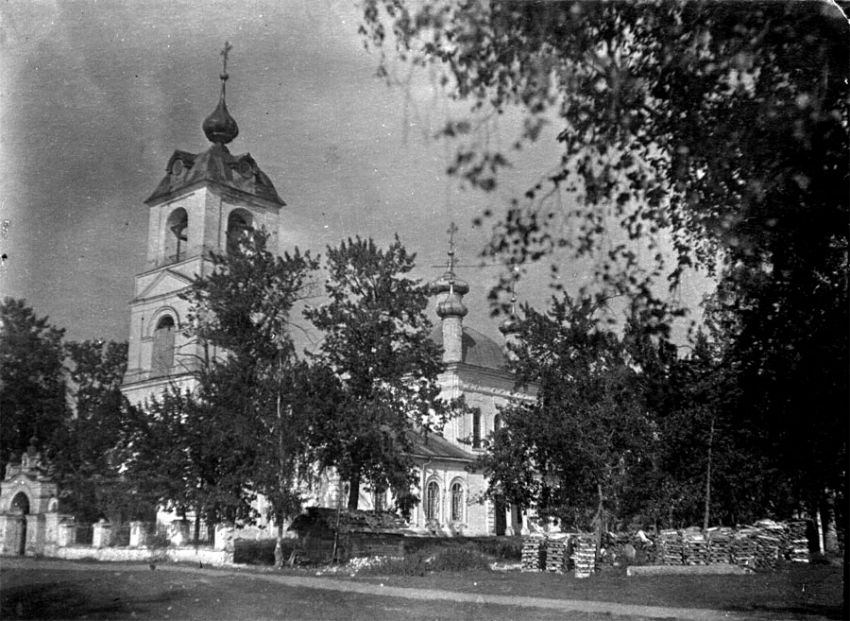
(95, 96)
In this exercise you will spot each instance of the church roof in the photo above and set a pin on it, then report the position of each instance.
(215, 165)
(434, 446)
(478, 350)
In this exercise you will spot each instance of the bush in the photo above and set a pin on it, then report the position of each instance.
(158, 540)
(497, 548)
(500, 548)
(467, 558)
(259, 552)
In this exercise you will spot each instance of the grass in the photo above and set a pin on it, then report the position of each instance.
(799, 589)
(43, 593)
(39, 591)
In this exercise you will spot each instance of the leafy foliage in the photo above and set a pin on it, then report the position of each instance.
(32, 387)
(246, 423)
(87, 452)
(577, 448)
(716, 130)
(376, 342)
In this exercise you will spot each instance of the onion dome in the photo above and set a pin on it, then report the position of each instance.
(220, 127)
(452, 306)
(509, 326)
(448, 282)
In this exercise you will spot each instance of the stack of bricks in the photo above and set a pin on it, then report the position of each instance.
(556, 554)
(695, 547)
(797, 548)
(768, 550)
(584, 555)
(533, 553)
(745, 547)
(719, 541)
(670, 547)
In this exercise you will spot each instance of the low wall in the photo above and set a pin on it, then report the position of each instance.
(185, 554)
(685, 570)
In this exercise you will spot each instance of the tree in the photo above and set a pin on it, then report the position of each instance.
(577, 449)
(249, 429)
(721, 126)
(32, 387)
(376, 341)
(86, 452)
(156, 462)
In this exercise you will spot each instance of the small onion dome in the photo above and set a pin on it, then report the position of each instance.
(447, 282)
(509, 325)
(220, 127)
(452, 306)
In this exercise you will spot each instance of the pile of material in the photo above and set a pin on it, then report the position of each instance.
(557, 548)
(771, 543)
(584, 555)
(745, 547)
(533, 552)
(670, 548)
(797, 543)
(695, 547)
(720, 545)
(768, 551)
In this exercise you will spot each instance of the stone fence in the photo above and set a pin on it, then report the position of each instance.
(137, 541)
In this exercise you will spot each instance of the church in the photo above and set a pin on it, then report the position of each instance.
(202, 204)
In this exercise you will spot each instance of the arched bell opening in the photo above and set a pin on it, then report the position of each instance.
(239, 224)
(176, 235)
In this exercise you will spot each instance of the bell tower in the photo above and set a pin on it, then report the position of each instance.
(203, 204)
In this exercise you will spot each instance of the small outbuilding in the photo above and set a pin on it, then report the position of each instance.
(327, 535)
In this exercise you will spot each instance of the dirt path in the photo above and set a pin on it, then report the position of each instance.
(566, 606)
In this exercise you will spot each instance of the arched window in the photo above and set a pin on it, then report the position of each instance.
(432, 501)
(457, 502)
(176, 235)
(476, 430)
(497, 422)
(238, 223)
(379, 500)
(163, 347)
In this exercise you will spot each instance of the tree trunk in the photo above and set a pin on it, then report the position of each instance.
(599, 517)
(353, 492)
(707, 514)
(197, 527)
(278, 546)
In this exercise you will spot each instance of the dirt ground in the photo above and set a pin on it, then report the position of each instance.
(47, 590)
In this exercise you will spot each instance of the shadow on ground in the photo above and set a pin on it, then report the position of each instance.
(71, 600)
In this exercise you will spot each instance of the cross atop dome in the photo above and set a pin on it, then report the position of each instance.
(449, 282)
(511, 324)
(219, 127)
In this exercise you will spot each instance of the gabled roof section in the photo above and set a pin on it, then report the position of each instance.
(167, 281)
(434, 446)
(218, 166)
(478, 350)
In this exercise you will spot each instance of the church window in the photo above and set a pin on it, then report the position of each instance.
(238, 223)
(476, 430)
(163, 347)
(457, 502)
(432, 501)
(176, 235)
(380, 500)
